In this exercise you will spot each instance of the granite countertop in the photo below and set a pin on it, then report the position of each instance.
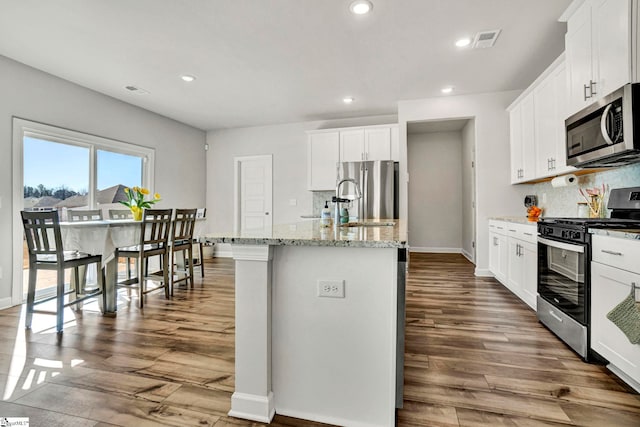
(514, 219)
(309, 233)
(631, 233)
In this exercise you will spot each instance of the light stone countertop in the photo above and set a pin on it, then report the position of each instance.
(514, 219)
(632, 233)
(309, 233)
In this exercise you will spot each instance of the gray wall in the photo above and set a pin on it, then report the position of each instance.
(435, 191)
(34, 95)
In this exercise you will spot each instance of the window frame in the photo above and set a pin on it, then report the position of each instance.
(26, 128)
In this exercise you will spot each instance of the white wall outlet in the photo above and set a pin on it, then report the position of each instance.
(331, 288)
(293, 202)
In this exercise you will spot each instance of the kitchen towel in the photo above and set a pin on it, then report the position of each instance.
(564, 181)
(626, 316)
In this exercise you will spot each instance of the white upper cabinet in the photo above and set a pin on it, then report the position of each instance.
(522, 123)
(599, 43)
(352, 145)
(323, 155)
(538, 148)
(368, 143)
(550, 111)
(327, 147)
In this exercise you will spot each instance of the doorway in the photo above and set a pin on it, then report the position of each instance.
(253, 199)
(441, 190)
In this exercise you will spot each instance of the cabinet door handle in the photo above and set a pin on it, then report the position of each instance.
(528, 234)
(585, 92)
(513, 231)
(592, 87)
(611, 252)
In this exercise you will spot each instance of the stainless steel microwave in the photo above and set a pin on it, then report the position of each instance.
(607, 133)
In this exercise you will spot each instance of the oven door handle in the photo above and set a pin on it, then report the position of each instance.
(560, 245)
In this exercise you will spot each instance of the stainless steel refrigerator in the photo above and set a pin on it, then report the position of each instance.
(378, 184)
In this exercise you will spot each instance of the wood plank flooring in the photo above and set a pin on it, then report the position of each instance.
(475, 356)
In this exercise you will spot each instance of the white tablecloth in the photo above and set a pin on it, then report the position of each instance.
(100, 237)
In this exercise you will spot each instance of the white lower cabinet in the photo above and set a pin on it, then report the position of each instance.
(513, 258)
(610, 285)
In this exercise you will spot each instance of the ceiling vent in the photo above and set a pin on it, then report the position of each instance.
(485, 39)
(136, 89)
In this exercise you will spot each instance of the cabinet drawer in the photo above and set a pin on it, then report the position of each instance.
(617, 252)
(499, 227)
(525, 232)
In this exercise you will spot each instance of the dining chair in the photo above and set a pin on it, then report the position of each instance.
(154, 242)
(182, 242)
(201, 213)
(120, 214)
(44, 242)
(75, 215)
(124, 214)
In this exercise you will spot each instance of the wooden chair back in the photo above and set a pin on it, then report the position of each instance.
(42, 231)
(183, 226)
(76, 215)
(120, 214)
(155, 228)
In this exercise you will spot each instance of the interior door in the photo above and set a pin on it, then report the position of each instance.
(253, 193)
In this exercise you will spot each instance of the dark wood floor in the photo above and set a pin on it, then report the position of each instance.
(475, 356)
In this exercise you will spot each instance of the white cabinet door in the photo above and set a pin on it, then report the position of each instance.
(550, 114)
(522, 129)
(609, 286)
(515, 272)
(395, 144)
(611, 25)
(498, 256)
(530, 274)
(546, 126)
(322, 159)
(352, 145)
(377, 143)
(578, 50)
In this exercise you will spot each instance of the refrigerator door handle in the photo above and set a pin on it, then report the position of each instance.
(365, 194)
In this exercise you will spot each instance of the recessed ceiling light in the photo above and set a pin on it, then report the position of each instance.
(360, 7)
(463, 42)
(187, 78)
(447, 89)
(348, 99)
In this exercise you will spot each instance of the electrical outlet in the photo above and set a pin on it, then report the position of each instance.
(331, 288)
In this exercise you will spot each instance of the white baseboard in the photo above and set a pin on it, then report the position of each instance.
(252, 407)
(430, 250)
(223, 250)
(468, 256)
(5, 303)
(483, 272)
(322, 418)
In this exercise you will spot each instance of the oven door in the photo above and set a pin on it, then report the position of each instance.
(562, 275)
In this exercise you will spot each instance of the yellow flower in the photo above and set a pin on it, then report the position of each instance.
(144, 191)
(157, 196)
(136, 189)
(126, 190)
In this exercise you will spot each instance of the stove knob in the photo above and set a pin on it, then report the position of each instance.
(565, 234)
(576, 235)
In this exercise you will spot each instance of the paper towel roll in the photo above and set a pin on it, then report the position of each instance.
(564, 181)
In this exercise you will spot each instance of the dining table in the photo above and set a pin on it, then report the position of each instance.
(102, 237)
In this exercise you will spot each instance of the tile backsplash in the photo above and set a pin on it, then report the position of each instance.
(562, 201)
(319, 197)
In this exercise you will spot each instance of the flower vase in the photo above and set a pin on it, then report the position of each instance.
(137, 213)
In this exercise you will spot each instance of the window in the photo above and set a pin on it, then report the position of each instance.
(64, 169)
(55, 168)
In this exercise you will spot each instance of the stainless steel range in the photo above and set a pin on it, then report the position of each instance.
(564, 256)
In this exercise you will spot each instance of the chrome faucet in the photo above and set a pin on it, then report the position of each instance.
(337, 199)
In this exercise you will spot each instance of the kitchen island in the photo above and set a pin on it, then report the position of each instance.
(319, 322)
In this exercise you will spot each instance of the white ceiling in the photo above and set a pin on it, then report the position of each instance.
(275, 61)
